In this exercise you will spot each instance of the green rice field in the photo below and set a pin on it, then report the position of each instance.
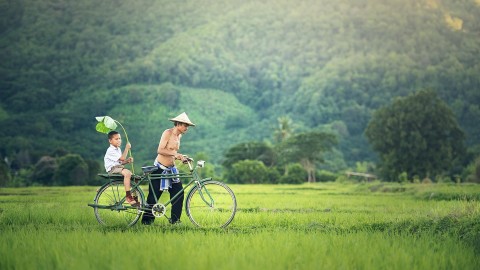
(311, 226)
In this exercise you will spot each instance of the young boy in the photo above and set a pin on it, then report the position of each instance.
(114, 160)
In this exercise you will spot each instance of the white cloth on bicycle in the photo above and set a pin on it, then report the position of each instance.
(166, 183)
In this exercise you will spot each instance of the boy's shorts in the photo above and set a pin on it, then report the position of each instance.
(116, 169)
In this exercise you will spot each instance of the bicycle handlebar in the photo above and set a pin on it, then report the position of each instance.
(188, 161)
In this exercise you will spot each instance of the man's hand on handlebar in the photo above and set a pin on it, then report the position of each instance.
(186, 159)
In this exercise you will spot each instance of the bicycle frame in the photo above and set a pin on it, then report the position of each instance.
(193, 175)
(208, 203)
(148, 177)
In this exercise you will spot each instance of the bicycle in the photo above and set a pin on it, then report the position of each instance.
(209, 203)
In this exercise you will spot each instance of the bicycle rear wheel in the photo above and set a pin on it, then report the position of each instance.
(110, 211)
(211, 205)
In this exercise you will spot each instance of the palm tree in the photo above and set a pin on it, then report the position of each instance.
(284, 129)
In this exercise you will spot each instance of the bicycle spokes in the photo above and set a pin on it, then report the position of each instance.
(111, 208)
(212, 205)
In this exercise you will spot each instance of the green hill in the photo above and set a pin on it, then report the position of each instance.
(233, 66)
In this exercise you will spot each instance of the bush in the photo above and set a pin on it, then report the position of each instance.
(4, 174)
(477, 170)
(427, 180)
(326, 176)
(403, 177)
(294, 174)
(248, 172)
(273, 175)
(94, 168)
(72, 170)
(21, 178)
(345, 179)
(416, 179)
(44, 170)
(443, 179)
(472, 172)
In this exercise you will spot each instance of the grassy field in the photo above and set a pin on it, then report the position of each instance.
(310, 226)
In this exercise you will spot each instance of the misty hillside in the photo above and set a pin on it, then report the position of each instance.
(234, 66)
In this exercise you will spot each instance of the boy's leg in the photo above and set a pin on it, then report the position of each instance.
(126, 182)
(126, 179)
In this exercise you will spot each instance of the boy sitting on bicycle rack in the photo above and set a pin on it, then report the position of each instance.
(114, 160)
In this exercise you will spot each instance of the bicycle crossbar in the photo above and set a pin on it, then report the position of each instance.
(170, 176)
(152, 176)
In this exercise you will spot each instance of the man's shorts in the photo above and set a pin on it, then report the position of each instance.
(116, 169)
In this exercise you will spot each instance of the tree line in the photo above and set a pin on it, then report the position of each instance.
(417, 138)
(327, 65)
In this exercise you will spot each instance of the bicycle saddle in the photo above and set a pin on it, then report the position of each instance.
(149, 169)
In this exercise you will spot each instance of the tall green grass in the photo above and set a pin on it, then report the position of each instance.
(310, 226)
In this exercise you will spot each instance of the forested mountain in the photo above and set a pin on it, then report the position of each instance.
(234, 66)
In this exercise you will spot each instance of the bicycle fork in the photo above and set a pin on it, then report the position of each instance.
(203, 189)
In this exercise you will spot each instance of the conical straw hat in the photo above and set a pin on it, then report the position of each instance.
(183, 118)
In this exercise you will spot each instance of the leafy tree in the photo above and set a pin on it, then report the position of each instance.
(326, 176)
(284, 129)
(72, 170)
(472, 171)
(307, 149)
(477, 171)
(296, 174)
(250, 150)
(248, 172)
(273, 175)
(4, 174)
(21, 178)
(94, 168)
(44, 170)
(69, 62)
(209, 169)
(417, 134)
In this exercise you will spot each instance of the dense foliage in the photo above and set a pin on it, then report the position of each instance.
(307, 149)
(418, 135)
(234, 66)
(258, 162)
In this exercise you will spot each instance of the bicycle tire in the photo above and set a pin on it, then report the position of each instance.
(217, 207)
(110, 212)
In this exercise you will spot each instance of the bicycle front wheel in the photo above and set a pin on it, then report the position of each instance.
(211, 204)
(110, 211)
